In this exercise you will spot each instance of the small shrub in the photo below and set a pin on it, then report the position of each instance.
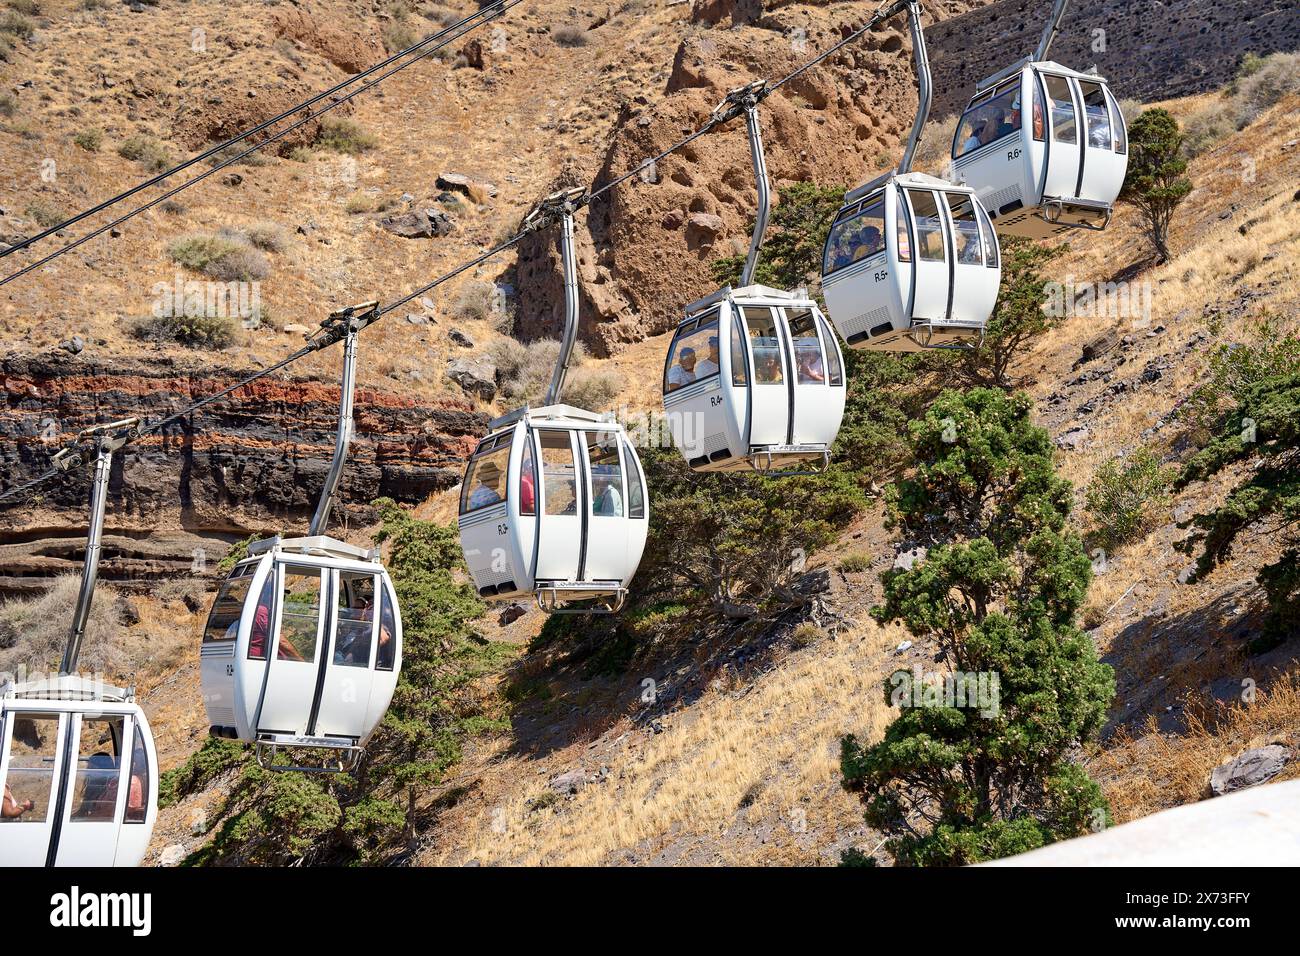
(570, 36)
(300, 154)
(238, 551)
(8, 105)
(192, 331)
(34, 630)
(91, 4)
(361, 203)
(1267, 351)
(89, 139)
(238, 149)
(1272, 78)
(475, 302)
(344, 136)
(592, 389)
(855, 563)
(1208, 126)
(1128, 496)
(1250, 65)
(6, 49)
(225, 257)
(195, 252)
(17, 25)
(397, 35)
(146, 151)
(45, 216)
(935, 152)
(172, 207)
(806, 635)
(243, 264)
(29, 7)
(268, 237)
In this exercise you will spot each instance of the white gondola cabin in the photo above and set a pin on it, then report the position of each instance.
(754, 379)
(1044, 147)
(79, 775)
(911, 262)
(302, 648)
(554, 504)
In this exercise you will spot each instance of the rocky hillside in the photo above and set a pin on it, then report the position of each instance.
(735, 759)
(382, 212)
(1147, 49)
(243, 464)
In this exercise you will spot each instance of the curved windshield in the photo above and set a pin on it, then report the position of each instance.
(485, 479)
(856, 236)
(988, 119)
(693, 356)
(223, 622)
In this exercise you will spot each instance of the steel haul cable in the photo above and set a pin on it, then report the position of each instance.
(719, 118)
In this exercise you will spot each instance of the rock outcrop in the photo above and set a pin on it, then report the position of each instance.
(254, 461)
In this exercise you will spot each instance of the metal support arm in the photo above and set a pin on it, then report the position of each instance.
(109, 438)
(560, 207)
(923, 84)
(345, 324)
(1049, 32)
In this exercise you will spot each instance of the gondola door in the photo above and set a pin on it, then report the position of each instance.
(930, 282)
(974, 256)
(770, 396)
(562, 521)
(1064, 149)
(289, 687)
(97, 790)
(348, 661)
(1104, 163)
(608, 508)
(31, 768)
(809, 382)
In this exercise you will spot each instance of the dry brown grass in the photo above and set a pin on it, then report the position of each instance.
(1154, 771)
(765, 757)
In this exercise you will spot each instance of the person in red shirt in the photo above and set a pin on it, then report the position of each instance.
(257, 637)
(527, 494)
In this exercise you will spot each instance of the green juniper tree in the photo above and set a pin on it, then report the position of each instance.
(999, 588)
(1263, 428)
(1017, 319)
(1155, 183)
(792, 245)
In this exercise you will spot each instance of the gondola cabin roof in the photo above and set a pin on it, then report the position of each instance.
(67, 689)
(923, 180)
(1050, 66)
(320, 546)
(562, 415)
(797, 297)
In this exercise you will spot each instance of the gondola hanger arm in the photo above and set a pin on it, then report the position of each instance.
(554, 208)
(109, 437)
(338, 324)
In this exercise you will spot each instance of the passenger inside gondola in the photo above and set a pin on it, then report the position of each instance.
(990, 120)
(12, 808)
(356, 614)
(606, 475)
(683, 373)
(485, 492)
(99, 794)
(857, 237)
(710, 364)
